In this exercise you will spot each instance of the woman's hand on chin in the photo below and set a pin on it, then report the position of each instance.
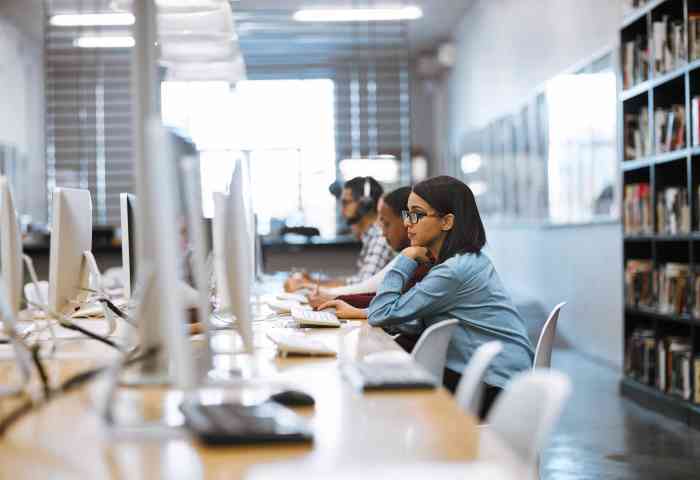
(419, 254)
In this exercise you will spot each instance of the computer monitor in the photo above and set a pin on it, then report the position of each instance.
(161, 317)
(10, 250)
(219, 249)
(71, 240)
(238, 271)
(127, 203)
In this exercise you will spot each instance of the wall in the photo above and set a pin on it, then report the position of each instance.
(507, 49)
(22, 98)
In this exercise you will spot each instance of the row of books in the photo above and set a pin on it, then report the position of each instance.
(673, 211)
(663, 289)
(637, 138)
(666, 363)
(637, 209)
(669, 44)
(669, 128)
(635, 61)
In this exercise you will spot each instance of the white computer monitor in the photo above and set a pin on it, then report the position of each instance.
(71, 240)
(238, 265)
(127, 204)
(10, 250)
(161, 317)
(219, 249)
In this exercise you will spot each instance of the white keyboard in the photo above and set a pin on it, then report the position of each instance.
(311, 318)
(299, 344)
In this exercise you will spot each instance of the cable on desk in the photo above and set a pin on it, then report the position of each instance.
(68, 385)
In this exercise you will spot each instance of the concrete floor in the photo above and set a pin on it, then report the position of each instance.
(604, 436)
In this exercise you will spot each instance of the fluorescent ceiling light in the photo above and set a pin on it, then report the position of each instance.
(358, 14)
(92, 20)
(104, 42)
(471, 162)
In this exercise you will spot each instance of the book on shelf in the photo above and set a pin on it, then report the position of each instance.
(669, 44)
(639, 283)
(678, 353)
(671, 288)
(635, 61)
(637, 138)
(696, 379)
(695, 120)
(673, 211)
(669, 128)
(694, 35)
(637, 209)
(641, 356)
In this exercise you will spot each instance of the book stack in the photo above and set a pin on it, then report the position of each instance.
(641, 356)
(673, 366)
(669, 44)
(639, 283)
(635, 61)
(673, 211)
(694, 35)
(638, 210)
(669, 128)
(637, 138)
(671, 287)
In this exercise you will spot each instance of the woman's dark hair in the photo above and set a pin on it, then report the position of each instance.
(449, 195)
(397, 199)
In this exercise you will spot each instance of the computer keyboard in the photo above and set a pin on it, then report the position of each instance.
(387, 376)
(234, 424)
(311, 318)
(300, 344)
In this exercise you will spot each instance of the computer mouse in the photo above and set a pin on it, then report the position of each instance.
(293, 398)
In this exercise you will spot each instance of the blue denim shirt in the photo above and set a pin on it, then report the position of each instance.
(465, 287)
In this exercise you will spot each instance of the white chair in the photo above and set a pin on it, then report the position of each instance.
(543, 352)
(522, 418)
(470, 388)
(431, 348)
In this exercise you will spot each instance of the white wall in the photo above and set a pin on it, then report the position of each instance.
(507, 49)
(22, 99)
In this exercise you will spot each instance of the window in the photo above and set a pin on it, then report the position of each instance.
(287, 129)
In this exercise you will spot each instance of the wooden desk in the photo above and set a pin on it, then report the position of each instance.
(67, 439)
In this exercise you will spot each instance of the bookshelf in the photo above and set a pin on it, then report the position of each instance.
(659, 161)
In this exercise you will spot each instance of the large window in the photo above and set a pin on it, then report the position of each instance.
(286, 127)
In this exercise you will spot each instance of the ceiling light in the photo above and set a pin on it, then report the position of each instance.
(92, 20)
(104, 42)
(358, 14)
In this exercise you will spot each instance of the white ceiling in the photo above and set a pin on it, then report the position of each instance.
(440, 17)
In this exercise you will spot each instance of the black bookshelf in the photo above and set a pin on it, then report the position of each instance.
(680, 168)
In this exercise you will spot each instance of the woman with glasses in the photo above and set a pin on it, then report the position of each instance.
(443, 222)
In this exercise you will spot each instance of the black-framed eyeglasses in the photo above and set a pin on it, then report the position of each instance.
(415, 217)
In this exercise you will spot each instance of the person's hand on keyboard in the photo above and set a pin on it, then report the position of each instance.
(344, 310)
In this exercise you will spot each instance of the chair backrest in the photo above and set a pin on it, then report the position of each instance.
(525, 413)
(543, 351)
(470, 387)
(431, 348)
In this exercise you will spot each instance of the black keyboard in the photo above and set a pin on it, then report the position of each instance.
(387, 376)
(233, 424)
